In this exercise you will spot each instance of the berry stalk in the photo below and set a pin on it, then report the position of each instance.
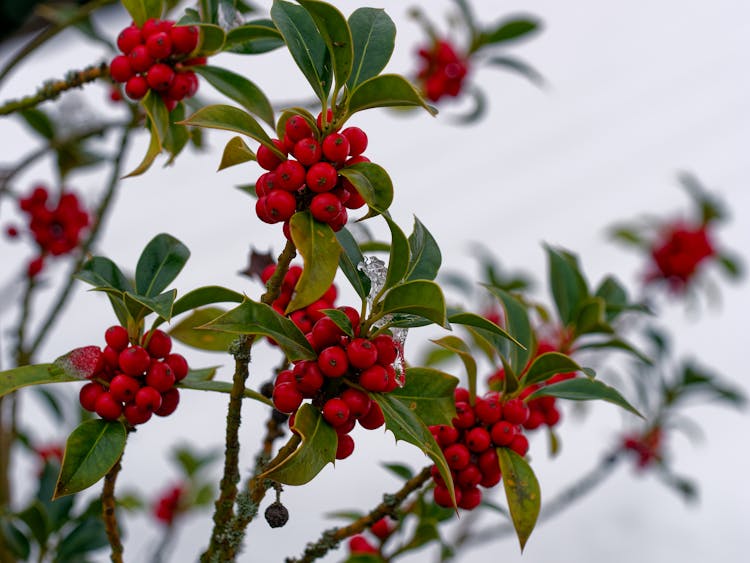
(109, 515)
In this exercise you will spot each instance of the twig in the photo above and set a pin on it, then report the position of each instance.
(109, 515)
(53, 88)
(331, 538)
(222, 544)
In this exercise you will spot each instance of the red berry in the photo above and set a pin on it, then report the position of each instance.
(290, 175)
(178, 364)
(489, 480)
(488, 410)
(488, 462)
(136, 88)
(117, 337)
(382, 528)
(129, 39)
(159, 45)
(469, 476)
(362, 353)
(520, 444)
(134, 360)
(457, 456)
(267, 158)
(336, 412)
(181, 86)
(111, 357)
(280, 205)
(325, 333)
(307, 151)
(325, 207)
(150, 27)
(374, 417)
(148, 398)
(120, 69)
(309, 379)
(107, 406)
(503, 432)
(442, 496)
(160, 77)
(387, 349)
(160, 376)
(333, 361)
(321, 177)
(477, 439)
(140, 60)
(329, 118)
(353, 315)
(123, 388)
(286, 398)
(184, 38)
(336, 147)
(263, 215)
(357, 140)
(345, 446)
(169, 401)
(338, 222)
(89, 394)
(516, 411)
(347, 427)
(359, 402)
(301, 319)
(446, 435)
(359, 544)
(374, 379)
(136, 415)
(159, 343)
(297, 128)
(461, 395)
(464, 415)
(470, 498)
(355, 200)
(552, 417)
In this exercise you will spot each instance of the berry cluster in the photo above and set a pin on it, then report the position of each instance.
(469, 445)
(678, 253)
(311, 180)
(305, 317)
(646, 447)
(134, 381)
(56, 227)
(342, 360)
(443, 71)
(167, 506)
(156, 57)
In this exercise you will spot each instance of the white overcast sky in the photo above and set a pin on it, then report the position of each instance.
(637, 92)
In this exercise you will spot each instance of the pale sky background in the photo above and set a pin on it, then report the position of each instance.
(638, 91)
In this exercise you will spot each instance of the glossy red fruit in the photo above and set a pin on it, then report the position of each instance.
(357, 140)
(290, 175)
(355, 200)
(325, 333)
(117, 337)
(382, 528)
(181, 86)
(286, 398)
(446, 435)
(457, 456)
(325, 207)
(158, 343)
(520, 444)
(120, 69)
(148, 398)
(374, 417)
(359, 402)
(169, 401)
(140, 60)
(442, 496)
(336, 148)
(478, 439)
(374, 379)
(309, 380)
(123, 388)
(184, 38)
(469, 476)
(464, 415)
(470, 498)
(149, 27)
(502, 433)
(160, 77)
(267, 158)
(488, 462)
(297, 128)
(333, 361)
(107, 406)
(353, 316)
(159, 45)
(136, 415)
(321, 177)
(345, 446)
(89, 394)
(516, 411)
(359, 544)
(178, 365)
(307, 151)
(134, 360)
(488, 410)
(160, 376)
(362, 353)
(461, 395)
(128, 39)
(329, 118)
(336, 412)
(387, 349)
(280, 205)
(136, 88)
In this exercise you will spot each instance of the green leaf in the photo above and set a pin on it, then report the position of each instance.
(517, 321)
(158, 115)
(14, 540)
(402, 419)
(159, 264)
(349, 261)
(419, 297)
(209, 10)
(398, 258)
(212, 341)
(341, 320)
(305, 43)
(177, 135)
(509, 30)
(731, 265)
(258, 318)
(585, 389)
(458, 346)
(569, 287)
(16, 378)
(399, 470)
(522, 492)
(590, 317)
(236, 152)
(372, 183)
(425, 258)
(39, 122)
(102, 272)
(91, 451)
(546, 365)
(140, 306)
(154, 149)
(253, 38)
(202, 374)
(386, 90)
(141, 10)
(220, 387)
(617, 344)
(484, 327)
(206, 295)
(519, 67)
(318, 449)
(230, 118)
(320, 250)
(88, 535)
(374, 36)
(614, 295)
(429, 394)
(239, 89)
(212, 38)
(337, 36)
(35, 517)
